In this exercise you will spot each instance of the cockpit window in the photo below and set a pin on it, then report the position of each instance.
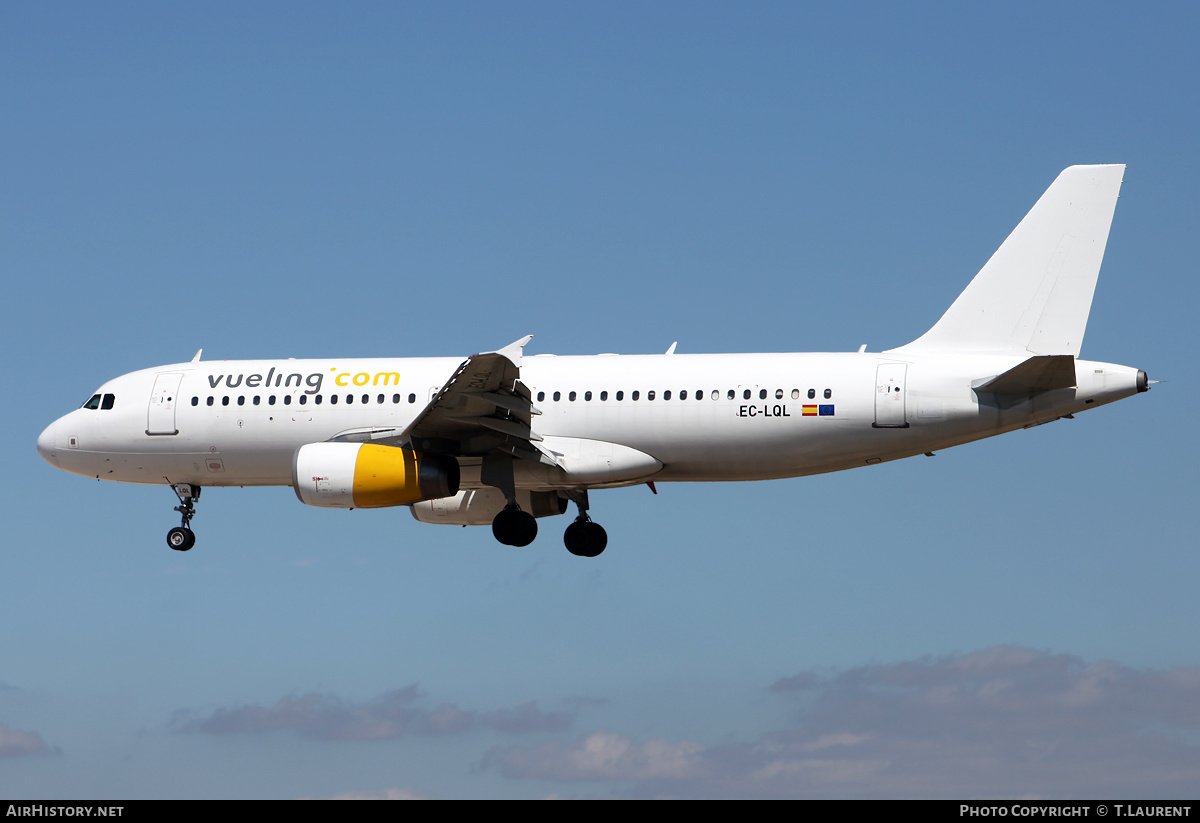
(109, 400)
(93, 402)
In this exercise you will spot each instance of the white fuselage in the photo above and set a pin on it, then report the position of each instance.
(504, 439)
(703, 417)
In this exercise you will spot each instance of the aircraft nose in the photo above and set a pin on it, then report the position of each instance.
(46, 445)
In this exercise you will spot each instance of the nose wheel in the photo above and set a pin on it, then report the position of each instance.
(181, 538)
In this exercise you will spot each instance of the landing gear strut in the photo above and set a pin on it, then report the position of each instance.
(583, 537)
(513, 527)
(181, 538)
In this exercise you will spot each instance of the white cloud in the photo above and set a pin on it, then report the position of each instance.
(390, 715)
(601, 756)
(1002, 722)
(407, 793)
(15, 743)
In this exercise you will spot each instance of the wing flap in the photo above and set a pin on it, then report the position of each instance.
(482, 408)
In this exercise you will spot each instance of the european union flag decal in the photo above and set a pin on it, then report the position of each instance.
(825, 411)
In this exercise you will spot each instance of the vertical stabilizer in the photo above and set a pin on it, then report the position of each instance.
(1034, 295)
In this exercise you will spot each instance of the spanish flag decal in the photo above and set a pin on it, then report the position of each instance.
(809, 411)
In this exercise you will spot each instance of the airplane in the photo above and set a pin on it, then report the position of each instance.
(504, 439)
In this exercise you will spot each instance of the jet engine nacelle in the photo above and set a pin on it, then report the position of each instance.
(368, 476)
(478, 507)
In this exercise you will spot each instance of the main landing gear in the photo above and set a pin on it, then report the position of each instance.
(583, 537)
(181, 538)
(513, 527)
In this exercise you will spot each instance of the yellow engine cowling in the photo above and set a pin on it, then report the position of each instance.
(369, 476)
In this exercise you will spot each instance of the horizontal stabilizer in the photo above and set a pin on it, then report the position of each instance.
(1037, 374)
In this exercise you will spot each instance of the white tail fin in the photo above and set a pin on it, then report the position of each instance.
(1035, 293)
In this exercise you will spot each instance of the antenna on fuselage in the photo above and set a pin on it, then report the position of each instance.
(196, 359)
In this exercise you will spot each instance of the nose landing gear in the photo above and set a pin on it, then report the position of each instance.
(181, 538)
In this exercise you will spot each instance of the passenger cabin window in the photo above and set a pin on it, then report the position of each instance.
(195, 401)
(812, 393)
(541, 396)
(634, 396)
(795, 394)
(620, 395)
(557, 396)
(210, 400)
(779, 394)
(828, 393)
(650, 395)
(603, 395)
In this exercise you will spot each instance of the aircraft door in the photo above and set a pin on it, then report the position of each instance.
(889, 396)
(160, 418)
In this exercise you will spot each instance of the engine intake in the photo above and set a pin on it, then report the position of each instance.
(370, 476)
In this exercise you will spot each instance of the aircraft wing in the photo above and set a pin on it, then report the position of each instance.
(483, 407)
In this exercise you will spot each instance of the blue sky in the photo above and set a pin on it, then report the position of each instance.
(1013, 617)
